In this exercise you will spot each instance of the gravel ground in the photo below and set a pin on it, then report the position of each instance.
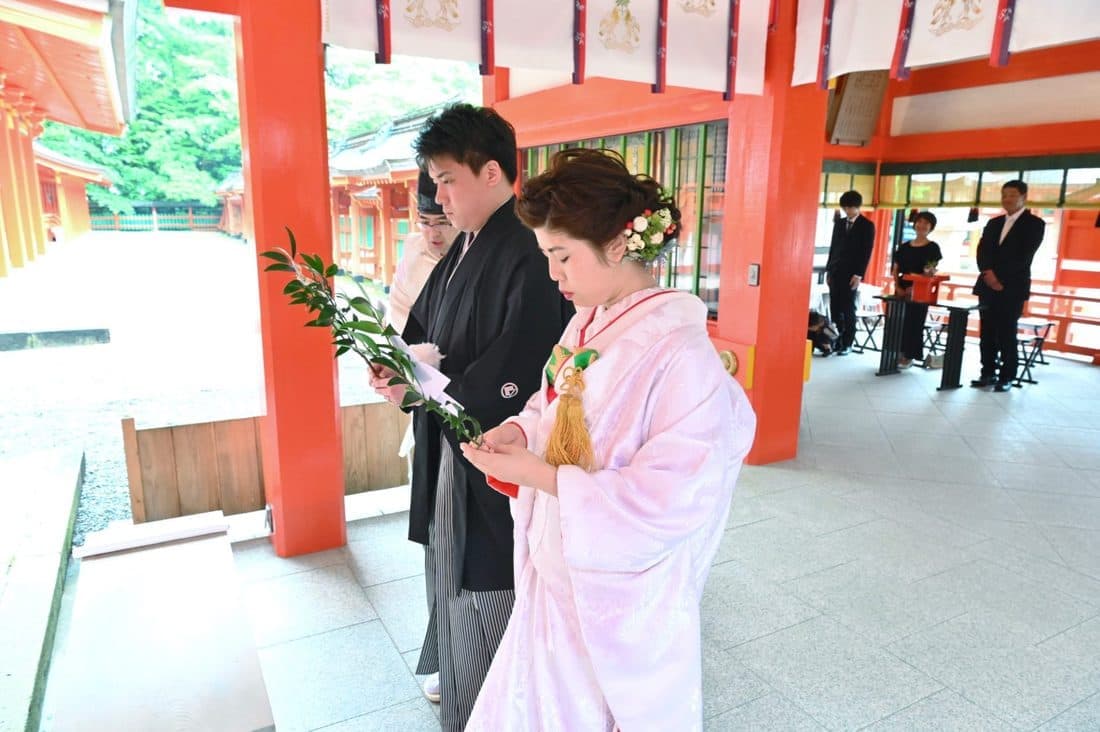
(182, 309)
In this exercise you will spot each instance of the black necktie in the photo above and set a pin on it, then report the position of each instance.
(848, 226)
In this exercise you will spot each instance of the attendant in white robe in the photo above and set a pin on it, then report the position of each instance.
(613, 544)
(423, 251)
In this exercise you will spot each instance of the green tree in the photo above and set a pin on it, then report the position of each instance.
(185, 137)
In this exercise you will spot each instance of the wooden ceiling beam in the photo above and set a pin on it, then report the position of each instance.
(47, 68)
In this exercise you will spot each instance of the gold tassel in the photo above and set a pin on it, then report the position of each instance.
(570, 443)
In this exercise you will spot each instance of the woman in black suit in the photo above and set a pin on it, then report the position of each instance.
(919, 256)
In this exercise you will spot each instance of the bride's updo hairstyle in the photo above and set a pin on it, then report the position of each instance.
(590, 195)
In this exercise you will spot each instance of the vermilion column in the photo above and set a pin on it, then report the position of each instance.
(20, 190)
(773, 181)
(9, 203)
(280, 67)
(34, 129)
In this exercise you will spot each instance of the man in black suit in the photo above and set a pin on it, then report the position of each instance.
(849, 253)
(495, 315)
(1007, 246)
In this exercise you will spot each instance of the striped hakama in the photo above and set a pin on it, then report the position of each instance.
(464, 629)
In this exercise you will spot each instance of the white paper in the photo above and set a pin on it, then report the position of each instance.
(430, 381)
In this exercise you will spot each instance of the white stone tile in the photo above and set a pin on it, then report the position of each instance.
(1023, 684)
(1082, 458)
(1050, 478)
(727, 683)
(256, 560)
(379, 550)
(305, 603)
(1084, 715)
(945, 710)
(402, 606)
(771, 713)
(1065, 579)
(335, 676)
(739, 606)
(838, 678)
(1033, 608)
(415, 715)
(1017, 450)
(1077, 548)
(816, 511)
(1081, 512)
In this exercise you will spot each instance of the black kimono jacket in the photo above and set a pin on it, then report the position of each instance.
(495, 323)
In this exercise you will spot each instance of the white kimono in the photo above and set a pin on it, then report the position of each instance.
(605, 631)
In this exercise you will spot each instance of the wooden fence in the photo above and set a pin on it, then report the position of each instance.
(211, 466)
(189, 220)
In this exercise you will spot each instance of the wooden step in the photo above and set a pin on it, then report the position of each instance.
(158, 638)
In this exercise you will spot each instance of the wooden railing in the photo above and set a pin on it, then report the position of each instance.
(155, 221)
(1060, 308)
(211, 466)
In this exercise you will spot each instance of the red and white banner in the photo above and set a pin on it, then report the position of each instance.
(807, 51)
(350, 24)
(437, 28)
(621, 40)
(1042, 23)
(951, 31)
(864, 35)
(698, 44)
(534, 35)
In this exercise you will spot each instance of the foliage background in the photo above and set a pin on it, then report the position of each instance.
(185, 137)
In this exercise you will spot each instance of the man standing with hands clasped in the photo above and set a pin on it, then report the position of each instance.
(849, 253)
(1007, 246)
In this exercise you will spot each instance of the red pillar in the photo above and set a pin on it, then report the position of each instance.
(10, 207)
(773, 183)
(285, 161)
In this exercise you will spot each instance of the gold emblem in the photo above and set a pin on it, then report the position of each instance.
(445, 15)
(705, 8)
(729, 362)
(619, 29)
(949, 15)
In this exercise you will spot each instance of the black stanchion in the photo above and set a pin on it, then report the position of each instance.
(953, 351)
(891, 334)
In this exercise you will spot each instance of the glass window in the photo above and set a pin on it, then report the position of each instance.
(836, 185)
(893, 190)
(637, 153)
(960, 188)
(991, 185)
(925, 188)
(865, 184)
(366, 231)
(681, 260)
(1044, 186)
(714, 200)
(1082, 187)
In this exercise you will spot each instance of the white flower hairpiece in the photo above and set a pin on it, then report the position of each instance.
(649, 235)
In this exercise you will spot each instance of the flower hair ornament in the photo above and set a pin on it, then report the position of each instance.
(650, 235)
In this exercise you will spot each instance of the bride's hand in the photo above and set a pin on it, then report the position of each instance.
(508, 433)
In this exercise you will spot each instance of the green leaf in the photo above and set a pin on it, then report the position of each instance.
(362, 305)
(363, 325)
(411, 399)
(278, 268)
(277, 254)
(341, 351)
(293, 242)
(332, 270)
(291, 287)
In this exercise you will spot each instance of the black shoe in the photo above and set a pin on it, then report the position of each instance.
(843, 351)
(983, 382)
(1003, 386)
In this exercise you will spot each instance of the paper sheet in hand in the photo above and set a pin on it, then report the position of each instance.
(432, 381)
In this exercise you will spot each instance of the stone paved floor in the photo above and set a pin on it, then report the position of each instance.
(930, 561)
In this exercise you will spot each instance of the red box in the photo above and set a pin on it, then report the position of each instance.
(926, 288)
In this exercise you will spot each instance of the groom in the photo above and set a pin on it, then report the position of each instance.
(491, 308)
